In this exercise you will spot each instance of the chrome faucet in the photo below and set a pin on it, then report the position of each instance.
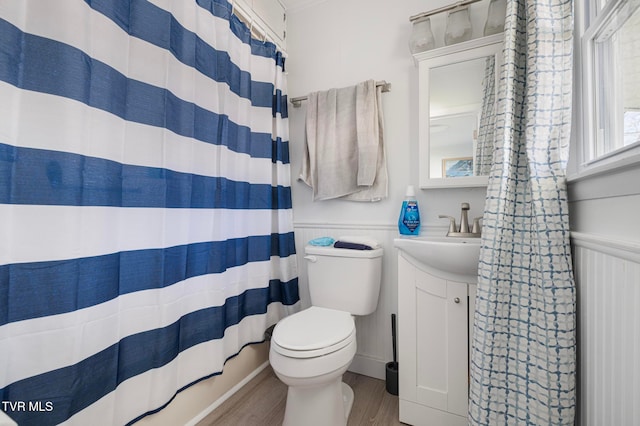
(463, 230)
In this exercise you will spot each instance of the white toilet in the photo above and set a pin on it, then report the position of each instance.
(311, 350)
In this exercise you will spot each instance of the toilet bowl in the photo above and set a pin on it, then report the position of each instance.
(310, 351)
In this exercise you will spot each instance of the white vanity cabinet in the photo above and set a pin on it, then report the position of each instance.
(435, 312)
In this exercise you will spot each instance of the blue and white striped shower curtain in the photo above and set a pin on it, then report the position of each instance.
(145, 209)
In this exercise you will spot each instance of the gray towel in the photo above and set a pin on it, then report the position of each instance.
(344, 153)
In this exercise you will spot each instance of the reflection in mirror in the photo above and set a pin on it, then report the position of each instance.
(451, 137)
(461, 113)
(486, 133)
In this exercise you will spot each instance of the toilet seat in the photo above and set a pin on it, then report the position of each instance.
(313, 332)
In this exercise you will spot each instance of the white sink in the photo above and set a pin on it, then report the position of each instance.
(453, 255)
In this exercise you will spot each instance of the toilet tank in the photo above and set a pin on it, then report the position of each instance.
(344, 279)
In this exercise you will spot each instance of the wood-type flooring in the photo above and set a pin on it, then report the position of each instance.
(261, 402)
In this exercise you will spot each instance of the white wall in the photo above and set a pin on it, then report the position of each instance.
(340, 43)
(333, 44)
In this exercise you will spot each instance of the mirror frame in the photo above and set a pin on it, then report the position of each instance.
(465, 51)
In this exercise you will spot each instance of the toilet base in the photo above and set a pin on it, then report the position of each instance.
(347, 399)
(329, 404)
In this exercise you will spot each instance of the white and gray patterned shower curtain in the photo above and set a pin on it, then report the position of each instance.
(524, 344)
(146, 228)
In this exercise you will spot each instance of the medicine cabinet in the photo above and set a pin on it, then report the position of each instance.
(456, 106)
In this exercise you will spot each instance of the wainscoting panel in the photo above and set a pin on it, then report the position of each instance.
(608, 287)
(373, 331)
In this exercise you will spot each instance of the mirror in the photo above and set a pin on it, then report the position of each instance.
(456, 112)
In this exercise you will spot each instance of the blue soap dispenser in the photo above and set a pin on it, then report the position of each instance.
(409, 220)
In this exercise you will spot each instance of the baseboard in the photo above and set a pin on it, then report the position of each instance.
(368, 367)
(413, 413)
(5, 420)
(227, 395)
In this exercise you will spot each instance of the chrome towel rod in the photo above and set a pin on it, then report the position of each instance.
(296, 102)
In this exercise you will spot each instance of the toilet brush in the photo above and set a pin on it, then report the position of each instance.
(392, 367)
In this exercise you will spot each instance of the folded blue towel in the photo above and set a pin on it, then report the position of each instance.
(352, 246)
(322, 242)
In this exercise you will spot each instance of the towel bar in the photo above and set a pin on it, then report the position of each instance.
(296, 102)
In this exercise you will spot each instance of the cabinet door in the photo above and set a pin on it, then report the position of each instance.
(441, 343)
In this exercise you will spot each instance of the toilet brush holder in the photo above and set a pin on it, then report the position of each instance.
(392, 367)
(392, 377)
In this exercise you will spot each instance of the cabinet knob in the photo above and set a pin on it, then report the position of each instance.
(456, 300)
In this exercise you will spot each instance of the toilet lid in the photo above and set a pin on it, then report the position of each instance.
(313, 332)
